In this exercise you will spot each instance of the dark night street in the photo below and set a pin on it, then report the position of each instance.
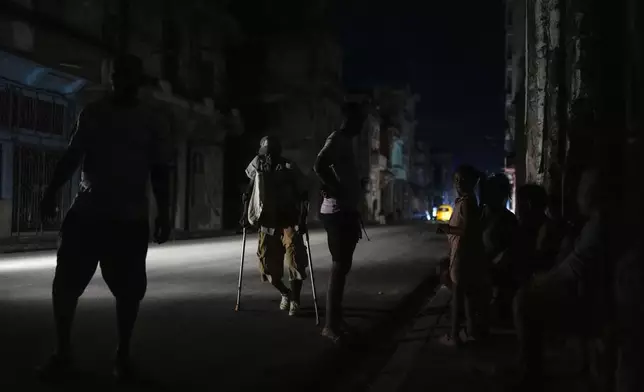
(188, 336)
(492, 149)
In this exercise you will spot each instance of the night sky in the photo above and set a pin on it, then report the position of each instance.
(449, 52)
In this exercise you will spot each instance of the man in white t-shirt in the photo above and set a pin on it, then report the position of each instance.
(121, 144)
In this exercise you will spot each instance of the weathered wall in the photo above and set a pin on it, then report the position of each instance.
(302, 97)
(579, 90)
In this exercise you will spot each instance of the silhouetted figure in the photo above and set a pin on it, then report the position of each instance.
(121, 144)
(538, 239)
(557, 301)
(277, 195)
(499, 229)
(629, 291)
(342, 193)
(627, 248)
(468, 270)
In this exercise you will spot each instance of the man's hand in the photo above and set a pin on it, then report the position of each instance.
(243, 221)
(336, 193)
(364, 183)
(162, 229)
(302, 227)
(48, 206)
(442, 229)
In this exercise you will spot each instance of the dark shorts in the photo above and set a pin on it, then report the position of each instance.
(120, 247)
(343, 231)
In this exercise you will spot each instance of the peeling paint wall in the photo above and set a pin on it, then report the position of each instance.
(583, 81)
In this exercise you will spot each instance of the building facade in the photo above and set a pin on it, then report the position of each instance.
(576, 91)
(285, 76)
(397, 107)
(56, 59)
(373, 152)
(385, 152)
(303, 97)
(421, 178)
(442, 171)
(515, 97)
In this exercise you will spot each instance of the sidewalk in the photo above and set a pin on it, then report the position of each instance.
(421, 364)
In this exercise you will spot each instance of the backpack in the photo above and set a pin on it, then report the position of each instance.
(273, 202)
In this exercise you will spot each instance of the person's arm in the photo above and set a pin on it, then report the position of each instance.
(324, 162)
(589, 250)
(251, 171)
(72, 158)
(548, 244)
(160, 168)
(249, 190)
(465, 221)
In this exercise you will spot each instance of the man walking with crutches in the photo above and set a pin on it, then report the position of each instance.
(342, 191)
(274, 201)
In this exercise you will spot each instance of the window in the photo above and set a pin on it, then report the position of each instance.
(31, 113)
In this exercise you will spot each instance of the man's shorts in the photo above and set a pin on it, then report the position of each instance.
(120, 247)
(343, 231)
(284, 247)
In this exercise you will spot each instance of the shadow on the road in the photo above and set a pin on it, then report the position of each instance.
(351, 313)
(188, 337)
(84, 380)
(359, 361)
(366, 310)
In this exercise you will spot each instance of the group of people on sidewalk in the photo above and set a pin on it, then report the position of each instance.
(544, 277)
(120, 143)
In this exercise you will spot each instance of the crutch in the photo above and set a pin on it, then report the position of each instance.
(241, 270)
(315, 297)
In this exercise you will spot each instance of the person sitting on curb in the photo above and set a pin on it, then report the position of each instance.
(552, 301)
(538, 240)
(499, 228)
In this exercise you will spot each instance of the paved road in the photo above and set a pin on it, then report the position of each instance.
(188, 336)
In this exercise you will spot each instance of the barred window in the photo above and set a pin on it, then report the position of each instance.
(5, 107)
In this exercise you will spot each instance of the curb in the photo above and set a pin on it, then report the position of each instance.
(394, 374)
(350, 368)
